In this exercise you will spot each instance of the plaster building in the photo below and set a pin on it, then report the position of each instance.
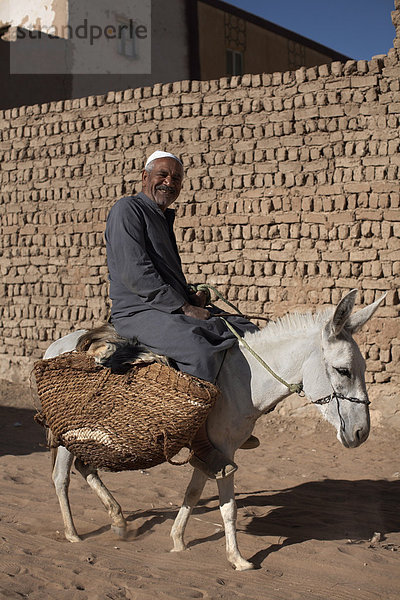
(172, 41)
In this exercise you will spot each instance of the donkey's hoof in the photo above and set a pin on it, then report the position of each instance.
(178, 548)
(119, 530)
(243, 565)
(73, 537)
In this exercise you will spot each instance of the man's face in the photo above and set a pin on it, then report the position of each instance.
(164, 182)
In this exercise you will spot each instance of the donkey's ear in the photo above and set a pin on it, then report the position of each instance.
(359, 318)
(341, 314)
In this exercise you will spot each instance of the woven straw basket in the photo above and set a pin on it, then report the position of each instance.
(117, 421)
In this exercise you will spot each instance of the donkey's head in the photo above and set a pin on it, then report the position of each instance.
(339, 387)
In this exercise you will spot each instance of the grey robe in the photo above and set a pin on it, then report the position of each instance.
(148, 288)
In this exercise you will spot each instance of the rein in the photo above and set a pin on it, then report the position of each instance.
(205, 287)
(294, 388)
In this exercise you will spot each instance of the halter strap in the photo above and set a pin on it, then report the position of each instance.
(338, 396)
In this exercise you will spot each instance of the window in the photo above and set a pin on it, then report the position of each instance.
(234, 62)
(126, 38)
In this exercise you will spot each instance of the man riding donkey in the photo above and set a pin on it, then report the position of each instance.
(151, 299)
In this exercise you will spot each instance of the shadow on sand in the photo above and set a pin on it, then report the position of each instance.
(324, 510)
(19, 433)
(320, 510)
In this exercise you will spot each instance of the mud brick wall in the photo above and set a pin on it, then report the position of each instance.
(291, 198)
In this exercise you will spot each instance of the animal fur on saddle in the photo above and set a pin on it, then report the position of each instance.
(115, 352)
(114, 409)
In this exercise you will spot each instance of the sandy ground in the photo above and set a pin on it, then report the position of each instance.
(307, 510)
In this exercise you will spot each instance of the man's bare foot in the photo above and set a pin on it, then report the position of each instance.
(214, 464)
(251, 443)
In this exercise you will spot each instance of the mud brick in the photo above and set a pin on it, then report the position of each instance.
(316, 165)
(363, 255)
(335, 110)
(358, 81)
(307, 255)
(306, 113)
(290, 166)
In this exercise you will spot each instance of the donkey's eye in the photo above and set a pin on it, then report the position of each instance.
(343, 371)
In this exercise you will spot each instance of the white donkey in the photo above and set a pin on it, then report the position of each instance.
(317, 351)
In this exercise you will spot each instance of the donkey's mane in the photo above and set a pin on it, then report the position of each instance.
(291, 325)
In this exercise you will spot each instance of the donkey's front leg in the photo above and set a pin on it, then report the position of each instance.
(118, 523)
(192, 496)
(228, 509)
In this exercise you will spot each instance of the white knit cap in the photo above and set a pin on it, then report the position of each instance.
(161, 154)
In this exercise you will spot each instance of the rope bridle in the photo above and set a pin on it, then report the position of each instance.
(338, 396)
(294, 388)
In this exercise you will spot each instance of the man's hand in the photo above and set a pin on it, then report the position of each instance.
(199, 299)
(197, 312)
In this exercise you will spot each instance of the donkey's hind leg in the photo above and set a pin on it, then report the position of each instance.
(118, 523)
(192, 496)
(60, 476)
